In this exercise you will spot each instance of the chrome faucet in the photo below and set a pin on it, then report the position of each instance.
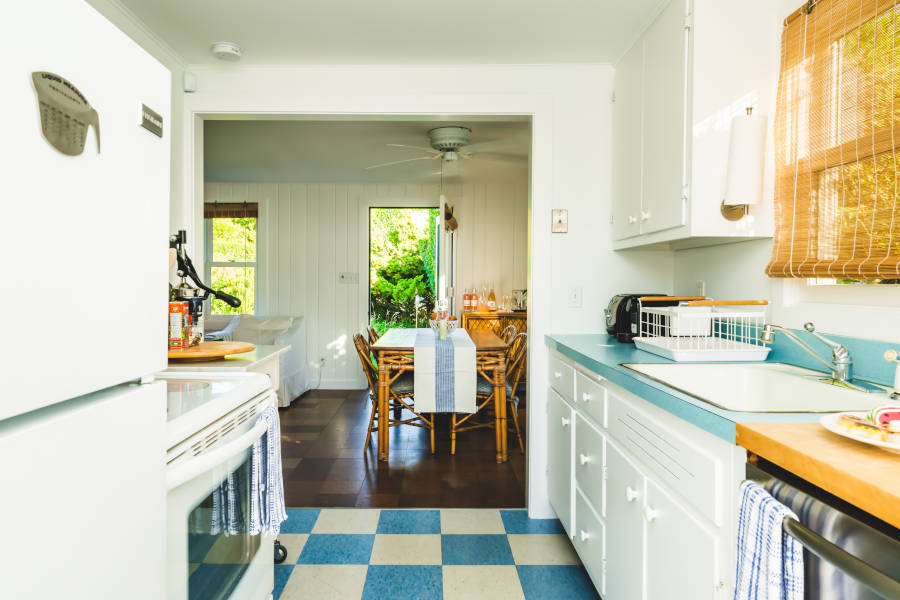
(840, 365)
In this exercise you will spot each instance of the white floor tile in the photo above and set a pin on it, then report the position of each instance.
(325, 582)
(406, 549)
(479, 582)
(476, 520)
(347, 520)
(542, 549)
(294, 543)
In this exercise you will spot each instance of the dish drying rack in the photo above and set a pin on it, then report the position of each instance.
(702, 330)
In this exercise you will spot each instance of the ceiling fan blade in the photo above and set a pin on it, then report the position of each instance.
(397, 162)
(499, 157)
(490, 146)
(420, 148)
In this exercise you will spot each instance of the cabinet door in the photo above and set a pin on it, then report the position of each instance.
(682, 554)
(624, 530)
(559, 459)
(664, 118)
(627, 139)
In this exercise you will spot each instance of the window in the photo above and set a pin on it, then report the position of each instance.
(231, 234)
(836, 183)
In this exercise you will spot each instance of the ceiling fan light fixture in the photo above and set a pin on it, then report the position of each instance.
(450, 156)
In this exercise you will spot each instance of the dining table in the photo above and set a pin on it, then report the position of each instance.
(394, 353)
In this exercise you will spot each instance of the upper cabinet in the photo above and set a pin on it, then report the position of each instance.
(698, 64)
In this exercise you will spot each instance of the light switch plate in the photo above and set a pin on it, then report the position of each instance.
(575, 293)
(560, 220)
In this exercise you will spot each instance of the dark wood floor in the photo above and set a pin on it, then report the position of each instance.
(323, 433)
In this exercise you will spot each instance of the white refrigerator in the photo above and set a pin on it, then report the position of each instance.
(83, 295)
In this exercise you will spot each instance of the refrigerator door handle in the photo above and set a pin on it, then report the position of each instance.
(208, 460)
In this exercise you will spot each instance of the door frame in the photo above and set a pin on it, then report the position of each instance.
(200, 106)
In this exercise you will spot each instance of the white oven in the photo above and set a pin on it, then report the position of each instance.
(211, 429)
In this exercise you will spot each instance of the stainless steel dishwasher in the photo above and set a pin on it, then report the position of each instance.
(848, 554)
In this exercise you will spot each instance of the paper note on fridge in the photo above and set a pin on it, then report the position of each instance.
(65, 113)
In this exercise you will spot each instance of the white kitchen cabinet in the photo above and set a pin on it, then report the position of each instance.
(682, 553)
(648, 498)
(560, 419)
(624, 532)
(697, 65)
(663, 174)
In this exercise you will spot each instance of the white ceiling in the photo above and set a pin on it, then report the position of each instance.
(340, 151)
(399, 31)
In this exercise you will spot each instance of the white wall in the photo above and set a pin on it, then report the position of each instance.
(571, 111)
(311, 232)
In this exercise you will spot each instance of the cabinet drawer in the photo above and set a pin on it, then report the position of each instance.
(562, 378)
(590, 460)
(590, 397)
(679, 464)
(590, 541)
(559, 458)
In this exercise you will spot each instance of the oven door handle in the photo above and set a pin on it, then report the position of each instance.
(208, 460)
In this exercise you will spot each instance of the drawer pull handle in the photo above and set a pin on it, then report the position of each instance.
(650, 514)
(565, 422)
(584, 535)
(584, 459)
(586, 397)
(645, 215)
(557, 374)
(632, 219)
(631, 494)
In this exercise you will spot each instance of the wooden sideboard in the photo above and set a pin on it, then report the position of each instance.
(495, 321)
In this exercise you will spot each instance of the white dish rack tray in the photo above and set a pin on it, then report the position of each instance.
(702, 330)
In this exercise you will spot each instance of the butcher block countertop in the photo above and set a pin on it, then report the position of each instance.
(862, 475)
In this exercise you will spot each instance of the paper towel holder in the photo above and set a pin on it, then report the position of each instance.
(735, 212)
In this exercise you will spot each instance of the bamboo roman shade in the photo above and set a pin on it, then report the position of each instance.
(836, 140)
(230, 210)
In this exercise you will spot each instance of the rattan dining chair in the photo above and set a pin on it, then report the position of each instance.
(401, 396)
(516, 359)
(508, 333)
(373, 335)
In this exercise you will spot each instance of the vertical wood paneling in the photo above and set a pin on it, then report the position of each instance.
(309, 233)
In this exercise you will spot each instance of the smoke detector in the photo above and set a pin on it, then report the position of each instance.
(226, 51)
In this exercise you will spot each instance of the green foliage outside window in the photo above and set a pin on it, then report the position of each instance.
(403, 260)
(234, 240)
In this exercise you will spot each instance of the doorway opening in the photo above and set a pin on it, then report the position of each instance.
(404, 251)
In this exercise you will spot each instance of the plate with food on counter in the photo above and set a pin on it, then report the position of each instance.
(879, 427)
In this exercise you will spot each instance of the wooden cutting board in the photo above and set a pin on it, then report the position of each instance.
(210, 350)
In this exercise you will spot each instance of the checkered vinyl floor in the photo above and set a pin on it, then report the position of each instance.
(368, 554)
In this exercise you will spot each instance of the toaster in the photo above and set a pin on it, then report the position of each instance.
(623, 315)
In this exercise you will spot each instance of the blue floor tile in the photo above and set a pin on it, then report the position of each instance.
(409, 521)
(282, 573)
(337, 549)
(300, 520)
(557, 582)
(490, 549)
(517, 521)
(403, 582)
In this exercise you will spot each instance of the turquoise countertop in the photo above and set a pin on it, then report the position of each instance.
(603, 355)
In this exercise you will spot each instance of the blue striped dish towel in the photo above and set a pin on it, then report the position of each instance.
(266, 484)
(769, 561)
(227, 509)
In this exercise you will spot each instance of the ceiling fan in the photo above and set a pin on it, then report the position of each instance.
(451, 143)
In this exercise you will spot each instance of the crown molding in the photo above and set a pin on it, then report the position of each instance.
(132, 25)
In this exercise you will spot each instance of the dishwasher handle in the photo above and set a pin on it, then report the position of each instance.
(880, 583)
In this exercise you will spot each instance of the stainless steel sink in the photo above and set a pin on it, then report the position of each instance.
(759, 387)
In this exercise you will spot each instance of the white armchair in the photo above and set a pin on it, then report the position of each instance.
(273, 331)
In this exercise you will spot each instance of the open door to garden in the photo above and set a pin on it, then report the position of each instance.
(404, 246)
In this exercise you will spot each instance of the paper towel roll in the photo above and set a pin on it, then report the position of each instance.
(746, 161)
